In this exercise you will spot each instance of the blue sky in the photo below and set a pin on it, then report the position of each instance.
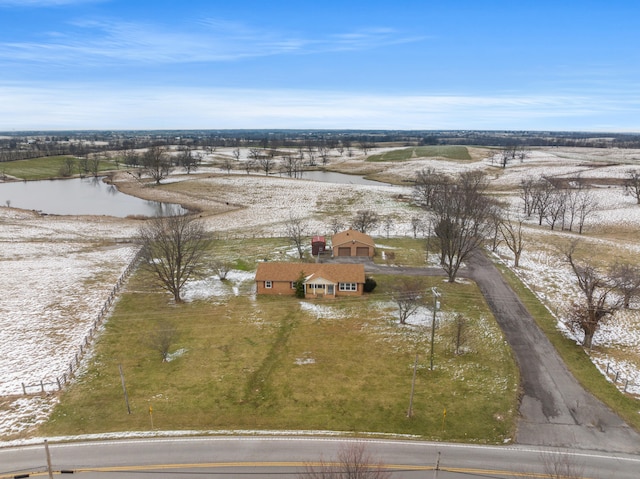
(131, 64)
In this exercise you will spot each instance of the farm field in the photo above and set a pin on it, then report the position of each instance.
(78, 262)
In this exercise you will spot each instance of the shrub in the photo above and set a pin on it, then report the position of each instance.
(369, 284)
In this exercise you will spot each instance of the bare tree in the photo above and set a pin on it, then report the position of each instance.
(336, 224)
(632, 184)
(292, 166)
(173, 248)
(408, 294)
(323, 150)
(353, 461)
(460, 209)
(626, 280)
(162, 337)
(365, 220)
(222, 269)
(94, 164)
(311, 153)
(461, 325)
(68, 166)
(556, 207)
(416, 225)
(189, 160)
(388, 225)
(522, 154)
(426, 184)
(507, 155)
(227, 165)
(511, 232)
(587, 204)
(83, 166)
(255, 153)
(130, 157)
(236, 153)
(296, 229)
(249, 165)
(156, 163)
(366, 146)
(494, 219)
(542, 196)
(597, 306)
(526, 193)
(267, 163)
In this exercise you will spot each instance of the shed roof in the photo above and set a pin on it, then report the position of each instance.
(349, 236)
(338, 273)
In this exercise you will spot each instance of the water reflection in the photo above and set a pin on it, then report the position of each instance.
(81, 196)
(339, 178)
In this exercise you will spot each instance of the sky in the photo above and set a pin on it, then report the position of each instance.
(349, 64)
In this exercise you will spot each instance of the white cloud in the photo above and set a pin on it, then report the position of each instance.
(117, 41)
(77, 106)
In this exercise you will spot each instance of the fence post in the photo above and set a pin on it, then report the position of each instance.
(59, 385)
(41, 385)
(626, 383)
(607, 369)
(617, 375)
(24, 389)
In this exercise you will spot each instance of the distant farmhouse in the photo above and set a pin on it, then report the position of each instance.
(320, 279)
(352, 243)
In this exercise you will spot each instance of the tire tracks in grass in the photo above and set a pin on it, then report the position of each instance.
(258, 389)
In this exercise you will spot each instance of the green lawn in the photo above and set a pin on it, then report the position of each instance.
(44, 168)
(279, 363)
(450, 152)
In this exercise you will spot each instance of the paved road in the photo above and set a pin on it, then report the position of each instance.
(554, 409)
(256, 457)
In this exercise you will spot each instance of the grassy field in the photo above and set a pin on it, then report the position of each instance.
(449, 152)
(43, 168)
(248, 362)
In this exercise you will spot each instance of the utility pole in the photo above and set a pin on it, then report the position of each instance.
(124, 389)
(436, 306)
(413, 385)
(49, 469)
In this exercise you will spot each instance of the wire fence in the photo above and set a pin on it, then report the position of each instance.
(63, 379)
(622, 383)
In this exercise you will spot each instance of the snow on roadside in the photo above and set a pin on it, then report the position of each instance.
(547, 275)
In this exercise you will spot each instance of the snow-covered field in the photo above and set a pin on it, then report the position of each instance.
(58, 271)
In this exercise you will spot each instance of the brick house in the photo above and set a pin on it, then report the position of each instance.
(352, 243)
(320, 279)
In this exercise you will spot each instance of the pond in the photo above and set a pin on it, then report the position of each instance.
(340, 178)
(80, 196)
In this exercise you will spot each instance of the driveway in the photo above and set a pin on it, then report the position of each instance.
(555, 410)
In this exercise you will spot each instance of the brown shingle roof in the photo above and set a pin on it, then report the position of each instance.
(350, 235)
(338, 273)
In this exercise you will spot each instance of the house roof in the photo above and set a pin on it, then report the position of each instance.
(349, 236)
(337, 273)
(318, 239)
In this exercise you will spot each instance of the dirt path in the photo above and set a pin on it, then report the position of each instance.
(554, 410)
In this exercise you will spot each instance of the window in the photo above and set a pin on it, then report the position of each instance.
(268, 284)
(348, 287)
